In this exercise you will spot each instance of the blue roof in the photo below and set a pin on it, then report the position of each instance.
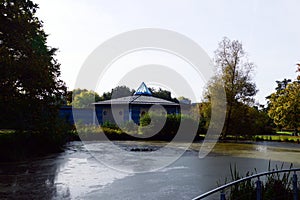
(143, 90)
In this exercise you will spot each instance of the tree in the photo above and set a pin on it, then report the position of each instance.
(184, 100)
(82, 98)
(85, 98)
(235, 71)
(298, 70)
(30, 88)
(71, 94)
(117, 92)
(105, 96)
(163, 94)
(281, 85)
(121, 91)
(284, 105)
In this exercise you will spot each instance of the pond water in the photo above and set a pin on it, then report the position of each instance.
(78, 174)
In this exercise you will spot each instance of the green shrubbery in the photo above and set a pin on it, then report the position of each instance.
(106, 131)
(145, 131)
(171, 126)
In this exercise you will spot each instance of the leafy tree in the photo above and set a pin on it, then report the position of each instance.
(105, 96)
(281, 85)
(85, 98)
(71, 94)
(163, 94)
(284, 106)
(117, 92)
(246, 120)
(78, 91)
(184, 100)
(69, 98)
(235, 71)
(82, 98)
(298, 70)
(121, 91)
(249, 121)
(30, 88)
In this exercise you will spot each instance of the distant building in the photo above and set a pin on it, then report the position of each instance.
(132, 107)
(120, 110)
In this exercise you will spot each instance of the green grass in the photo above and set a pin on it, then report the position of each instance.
(278, 138)
(284, 132)
(275, 138)
(6, 131)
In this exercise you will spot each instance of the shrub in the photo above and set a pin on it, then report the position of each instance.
(169, 129)
(130, 127)
(110, 125)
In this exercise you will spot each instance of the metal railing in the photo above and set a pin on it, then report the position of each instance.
(258, 184)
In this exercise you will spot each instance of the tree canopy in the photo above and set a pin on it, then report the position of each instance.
(30, 87)
(163, 94)
(284, 105)
(84, 98)
(121, 91)
(234, 71)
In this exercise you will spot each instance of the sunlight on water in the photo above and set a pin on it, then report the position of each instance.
(84, 175)
(76, 174)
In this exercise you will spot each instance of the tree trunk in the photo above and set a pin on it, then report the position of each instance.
(227, 121)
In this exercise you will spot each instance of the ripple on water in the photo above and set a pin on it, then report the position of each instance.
(82, 176)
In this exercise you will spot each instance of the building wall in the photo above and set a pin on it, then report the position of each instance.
(109, 116)
(83, 115)
(138, 110)
(102, 113)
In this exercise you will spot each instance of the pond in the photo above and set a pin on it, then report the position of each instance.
(77, 173)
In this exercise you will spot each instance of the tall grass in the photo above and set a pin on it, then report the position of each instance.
(274, 186)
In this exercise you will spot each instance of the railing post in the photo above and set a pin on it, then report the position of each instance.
(222, 196)
(258, 189)
(295, 186)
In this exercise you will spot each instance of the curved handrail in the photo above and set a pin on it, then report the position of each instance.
(243, 179)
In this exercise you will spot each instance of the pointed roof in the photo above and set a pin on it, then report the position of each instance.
(143, 90)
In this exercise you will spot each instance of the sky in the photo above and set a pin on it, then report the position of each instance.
(269, 31)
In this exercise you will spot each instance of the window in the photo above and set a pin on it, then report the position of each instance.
(104, 112)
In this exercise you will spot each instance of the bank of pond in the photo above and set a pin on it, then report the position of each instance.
(22, 145)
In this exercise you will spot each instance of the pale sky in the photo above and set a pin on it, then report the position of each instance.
(269, 31)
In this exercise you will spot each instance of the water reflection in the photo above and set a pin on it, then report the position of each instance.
(75, 174)
(85, 175)
(31, 180)
(68, 175)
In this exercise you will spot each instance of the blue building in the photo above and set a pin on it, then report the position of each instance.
(129, 108)
(81, 115)
(120, 110)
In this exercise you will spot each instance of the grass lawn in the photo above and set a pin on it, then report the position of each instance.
(275, 138)
(284, 132)
(6, 131)
(279, 138)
